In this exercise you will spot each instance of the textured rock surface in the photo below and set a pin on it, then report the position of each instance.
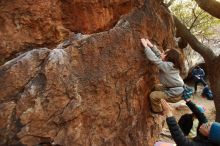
(90, 90)
(25, 24)
(98, 15)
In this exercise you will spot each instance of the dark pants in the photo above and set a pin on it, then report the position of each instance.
(197, 81)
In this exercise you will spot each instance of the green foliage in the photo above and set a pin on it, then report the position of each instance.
(200, 23)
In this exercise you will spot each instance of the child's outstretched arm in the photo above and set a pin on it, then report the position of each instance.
(164, 66)
(154, 48)
(144, 43)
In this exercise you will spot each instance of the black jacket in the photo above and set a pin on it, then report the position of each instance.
(178, 135)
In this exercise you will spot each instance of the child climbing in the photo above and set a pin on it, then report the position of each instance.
(169, 64)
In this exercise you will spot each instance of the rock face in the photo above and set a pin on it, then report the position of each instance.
(25, 24)
(91, 90)
(98, 15)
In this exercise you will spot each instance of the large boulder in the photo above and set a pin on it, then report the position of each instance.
(89, 90)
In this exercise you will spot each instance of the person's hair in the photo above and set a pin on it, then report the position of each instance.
(186, 123)
(175, 57)
(197, 67)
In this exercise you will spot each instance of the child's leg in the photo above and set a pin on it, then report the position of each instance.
(203, 82)
(155, 98)
(173, 99)
(159, 87)
(195, 86)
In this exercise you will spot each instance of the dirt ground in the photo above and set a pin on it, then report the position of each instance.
(199, 100)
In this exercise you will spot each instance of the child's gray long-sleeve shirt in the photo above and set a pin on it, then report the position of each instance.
(168, 75)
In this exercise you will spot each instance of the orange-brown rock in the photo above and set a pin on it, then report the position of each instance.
(90, 90)
(95, 15)
(26, 24)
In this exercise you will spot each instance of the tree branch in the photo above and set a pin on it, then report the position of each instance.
(195, 19)
(210, 6)
(170, 3)
(201, 23)
(184, 33)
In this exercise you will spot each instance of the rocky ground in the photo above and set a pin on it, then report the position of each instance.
(199, 100)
